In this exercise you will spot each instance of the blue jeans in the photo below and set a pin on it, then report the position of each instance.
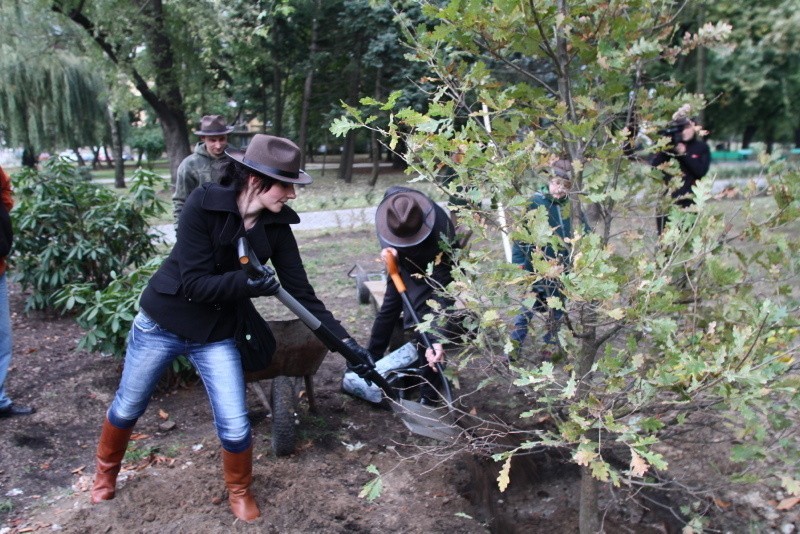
(151, 349)
(5, 340)
(523, 319)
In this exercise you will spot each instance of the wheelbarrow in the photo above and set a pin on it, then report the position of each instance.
(367, 283)
(298, 354)
(416, 417)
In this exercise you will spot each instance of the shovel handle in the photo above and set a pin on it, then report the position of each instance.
(389, 260)
(391, 267)
(254, 269)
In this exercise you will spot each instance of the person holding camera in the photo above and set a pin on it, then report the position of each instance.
(693, 157)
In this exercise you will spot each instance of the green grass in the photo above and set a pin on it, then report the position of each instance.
(327, 192)
(330, 193)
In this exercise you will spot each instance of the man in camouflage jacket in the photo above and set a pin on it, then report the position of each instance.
(202, 166)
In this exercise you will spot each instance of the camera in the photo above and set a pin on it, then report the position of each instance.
(673, 130)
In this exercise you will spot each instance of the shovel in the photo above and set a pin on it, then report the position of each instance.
(394, 273)
(416, 417)
(444, 415)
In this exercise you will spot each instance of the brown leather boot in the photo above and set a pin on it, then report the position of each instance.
(237, 470)
(110, 450)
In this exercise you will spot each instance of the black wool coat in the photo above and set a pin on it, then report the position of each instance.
(195, 292)
(694, 165)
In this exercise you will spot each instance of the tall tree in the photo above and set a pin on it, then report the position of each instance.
(753, 85)
(137, 38)
(50, 96)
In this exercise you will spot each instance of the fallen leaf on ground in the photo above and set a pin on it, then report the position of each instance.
(163, 415)
(722, 504)
(788, 503)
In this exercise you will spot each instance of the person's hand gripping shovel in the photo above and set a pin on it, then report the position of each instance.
(407, 410)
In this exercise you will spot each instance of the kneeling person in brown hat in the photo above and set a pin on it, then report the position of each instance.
(201, 167)
(414, 229)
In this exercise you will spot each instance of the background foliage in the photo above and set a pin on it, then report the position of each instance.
(70, 231)
(665, 335)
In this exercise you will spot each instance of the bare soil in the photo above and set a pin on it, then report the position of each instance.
(171, 479)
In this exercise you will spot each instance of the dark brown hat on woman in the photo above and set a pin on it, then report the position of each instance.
(213, 125)
(405, 218)
(274, 157)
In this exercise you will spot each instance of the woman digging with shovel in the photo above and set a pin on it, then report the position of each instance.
(189, 308)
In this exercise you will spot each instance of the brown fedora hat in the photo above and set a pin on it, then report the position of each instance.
(272, 156)
(213, 125)
(405, 218)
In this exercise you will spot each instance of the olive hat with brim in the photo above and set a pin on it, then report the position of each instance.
(274, 157)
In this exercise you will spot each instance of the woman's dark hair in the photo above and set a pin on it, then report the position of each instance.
(234, 174)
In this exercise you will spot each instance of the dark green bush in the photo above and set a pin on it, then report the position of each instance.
(147, 140)
(106, 314)
(70, 231)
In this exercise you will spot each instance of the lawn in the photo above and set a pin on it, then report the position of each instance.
(327, 192)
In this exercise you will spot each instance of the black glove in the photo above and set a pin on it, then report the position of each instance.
(368, 364)
(266, 286)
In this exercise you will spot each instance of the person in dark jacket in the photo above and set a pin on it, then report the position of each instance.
(205, 164)
(414, 229)
(189, 308)
(7, 407)
(693, 157)
(555, 201)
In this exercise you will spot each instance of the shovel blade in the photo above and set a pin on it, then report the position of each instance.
(431, 422)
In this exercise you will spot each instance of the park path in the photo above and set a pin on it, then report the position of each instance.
(309, 220)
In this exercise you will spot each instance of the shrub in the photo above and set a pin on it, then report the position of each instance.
(107, 313)
(70, 231)
(148, 141)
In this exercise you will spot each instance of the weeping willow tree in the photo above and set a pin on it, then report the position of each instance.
(50, 97)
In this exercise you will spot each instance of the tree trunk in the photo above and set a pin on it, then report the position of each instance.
(29, 157)
(277, 81)
(797, 138)
(166, 98)
(348, 156)
(348, 150)
(176, 139)
(78, 157)
(375, 146)
(769, 139)
(302, 140)
(749, 134)
(265, 103)
(588, 518)
(116, 149)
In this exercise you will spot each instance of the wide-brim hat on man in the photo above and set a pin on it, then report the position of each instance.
(405, 218)
(271, 156)
(213, 125)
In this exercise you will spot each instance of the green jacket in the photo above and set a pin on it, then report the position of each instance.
(195, 170)
(558, 216)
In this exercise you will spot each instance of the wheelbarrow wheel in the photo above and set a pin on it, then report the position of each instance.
(284, 415)
(361, 288)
